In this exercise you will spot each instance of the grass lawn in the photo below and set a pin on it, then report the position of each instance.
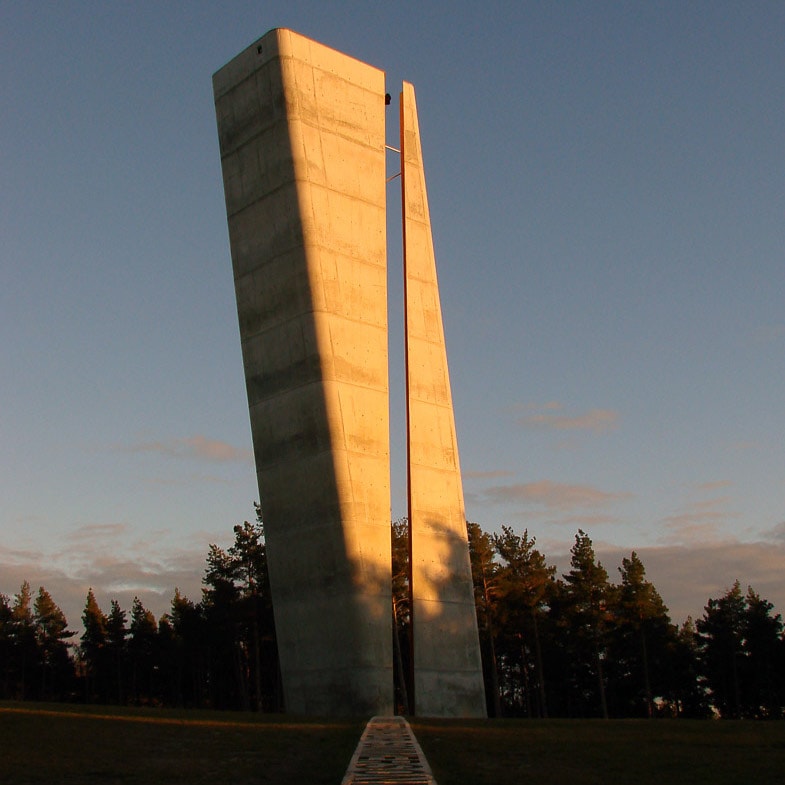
(59, 744)
(575, 752)
(65, 744)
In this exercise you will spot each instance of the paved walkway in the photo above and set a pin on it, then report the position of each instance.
(388, 753)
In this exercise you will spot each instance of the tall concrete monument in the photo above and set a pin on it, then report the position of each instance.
(302, 139)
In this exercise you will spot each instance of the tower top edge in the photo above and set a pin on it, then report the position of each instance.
(280, 43)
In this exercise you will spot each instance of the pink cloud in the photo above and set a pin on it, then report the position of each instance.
(97, 531)
(688, 575)
(712, 486)
(777, 533)
(553, 495)
(596, 420)
(586, 522)
(698, 521)
(194, 448)
(114, 564)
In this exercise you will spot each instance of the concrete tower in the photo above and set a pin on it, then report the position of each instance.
(302, 138)
(447, 667)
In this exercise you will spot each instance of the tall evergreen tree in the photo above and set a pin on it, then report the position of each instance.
(116, 651)
(190, 651)
(167, 666)
(238, 612)
(522, 585)
(142, 653)
(93, 649)
(484, 578)
(6, 647)
(220, 601)
(642, 639)
(249, 557)
(589, 597)
(741, 649)
(720, 636)
(52, 634)
(763, 648)
(687, 691)
(24, 646)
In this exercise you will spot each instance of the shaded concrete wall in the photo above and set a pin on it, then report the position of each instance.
(301, 131)
(447, 667)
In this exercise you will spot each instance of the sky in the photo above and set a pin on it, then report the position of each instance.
(606, 185)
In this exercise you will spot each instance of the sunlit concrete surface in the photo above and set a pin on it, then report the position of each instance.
(447, 667)
(301, 131)
(388, 754)
(302, 138)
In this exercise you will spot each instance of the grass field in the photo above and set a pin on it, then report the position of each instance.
(66, 745)
(585, 752)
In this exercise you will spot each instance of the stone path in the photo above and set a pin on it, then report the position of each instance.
(388, 753)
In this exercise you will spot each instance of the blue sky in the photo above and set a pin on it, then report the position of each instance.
(606, 184)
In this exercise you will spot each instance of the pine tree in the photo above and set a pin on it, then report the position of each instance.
(762, 674)
(238, 614)
(248, 554)
(6, 647)
(24, 646)
(190, 641)
(226, 655)
(116, 634)
(142, 651)
(484, 577)
(589, 597)
(522, 584)
(688, 693)
(52, 634)
(167, 665)
(642, 634)
(720, 636)
(93, 649)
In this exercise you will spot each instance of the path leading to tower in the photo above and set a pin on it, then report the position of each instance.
(388, 753)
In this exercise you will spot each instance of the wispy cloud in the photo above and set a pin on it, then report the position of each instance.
(194, 478)
(196, 447)
(713, 486)
(698, 521)
(550, 417)
(115, 563)
(586, 522)
(19, 556)
(553, 495)
(688, 574)
(93, 532)
(777, 533)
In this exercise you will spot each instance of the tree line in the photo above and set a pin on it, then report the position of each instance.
(575, 645)
(581, 645)
(218, 652)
